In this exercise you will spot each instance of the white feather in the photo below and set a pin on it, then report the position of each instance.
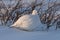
(28, 22)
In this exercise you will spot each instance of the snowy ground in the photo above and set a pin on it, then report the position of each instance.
(7, 33)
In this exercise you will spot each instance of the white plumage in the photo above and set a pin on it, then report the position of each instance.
(28, 22)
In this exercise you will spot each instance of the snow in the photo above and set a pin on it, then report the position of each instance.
(12, 3)
(28, 22)
(57, 13)
(28, 1)
(7, 33)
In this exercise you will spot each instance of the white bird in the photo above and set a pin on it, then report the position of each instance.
(28, 22)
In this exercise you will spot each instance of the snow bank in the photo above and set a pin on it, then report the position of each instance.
(13, 34)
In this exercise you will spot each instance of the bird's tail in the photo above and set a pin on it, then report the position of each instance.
(13, 25)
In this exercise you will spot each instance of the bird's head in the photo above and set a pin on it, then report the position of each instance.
(34, 12)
